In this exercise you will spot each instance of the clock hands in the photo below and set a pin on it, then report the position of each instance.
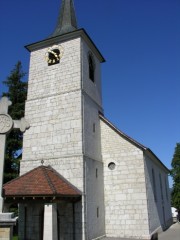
(54, 54)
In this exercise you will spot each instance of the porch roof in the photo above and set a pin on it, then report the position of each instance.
(41, 182)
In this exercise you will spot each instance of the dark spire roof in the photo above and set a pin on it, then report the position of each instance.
(66, 19)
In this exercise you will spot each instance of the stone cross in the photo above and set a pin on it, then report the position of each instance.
(6, 125)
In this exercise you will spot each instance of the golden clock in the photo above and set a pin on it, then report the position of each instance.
(54, 54)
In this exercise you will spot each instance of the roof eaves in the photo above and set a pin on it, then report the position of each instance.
(21, 176)
(142, 147)
(42, 196)
(148, 150)
(46, 175)
(65, 37)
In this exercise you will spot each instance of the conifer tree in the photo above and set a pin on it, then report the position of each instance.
(175, 173)
(17, 91)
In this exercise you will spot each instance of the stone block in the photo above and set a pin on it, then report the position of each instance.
(6, 217)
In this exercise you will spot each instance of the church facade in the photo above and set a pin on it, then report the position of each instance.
(81, 177)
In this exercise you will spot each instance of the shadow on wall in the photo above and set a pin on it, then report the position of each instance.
(70, 220)
(158, 199)
(67, 225)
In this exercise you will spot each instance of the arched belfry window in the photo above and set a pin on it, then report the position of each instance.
(91, 67)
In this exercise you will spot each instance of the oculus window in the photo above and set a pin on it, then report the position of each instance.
(111, 166)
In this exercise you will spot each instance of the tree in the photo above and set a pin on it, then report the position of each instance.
(175, 173)
(17, 92)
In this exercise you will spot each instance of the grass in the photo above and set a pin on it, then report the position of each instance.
(15, 238)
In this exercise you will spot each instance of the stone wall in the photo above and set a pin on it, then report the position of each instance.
(55, 127)
(7, 223)
(95, 213)
(125, 187)
(5, 233)
(53, 106)
(158, 195)
(91, 129)
(64, 77)
(92, 89)
(54, 111)
(93, 166)
(62, 108)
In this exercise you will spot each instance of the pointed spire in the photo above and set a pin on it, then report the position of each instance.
(66, 19)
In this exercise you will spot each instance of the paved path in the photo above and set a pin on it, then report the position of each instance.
(172, 233)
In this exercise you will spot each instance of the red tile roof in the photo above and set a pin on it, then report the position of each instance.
(42, 181)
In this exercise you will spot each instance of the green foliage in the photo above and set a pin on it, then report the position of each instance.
(175, 173)
(15, 238)
(17, 91)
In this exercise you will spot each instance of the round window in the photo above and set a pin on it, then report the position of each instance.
(111, 165)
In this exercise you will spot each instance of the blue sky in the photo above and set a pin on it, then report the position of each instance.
(140, 40)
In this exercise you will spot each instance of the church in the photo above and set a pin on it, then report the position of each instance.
(81, 178)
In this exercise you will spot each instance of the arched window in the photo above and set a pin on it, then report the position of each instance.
(91, 67)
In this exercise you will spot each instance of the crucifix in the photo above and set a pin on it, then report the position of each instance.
(6, 125)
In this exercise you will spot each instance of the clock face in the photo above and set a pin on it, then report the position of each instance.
(54, 54)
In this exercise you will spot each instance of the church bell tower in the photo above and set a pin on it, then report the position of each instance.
(63, 104)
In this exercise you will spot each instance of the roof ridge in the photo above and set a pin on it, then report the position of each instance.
(64, 179)
(49, 179)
